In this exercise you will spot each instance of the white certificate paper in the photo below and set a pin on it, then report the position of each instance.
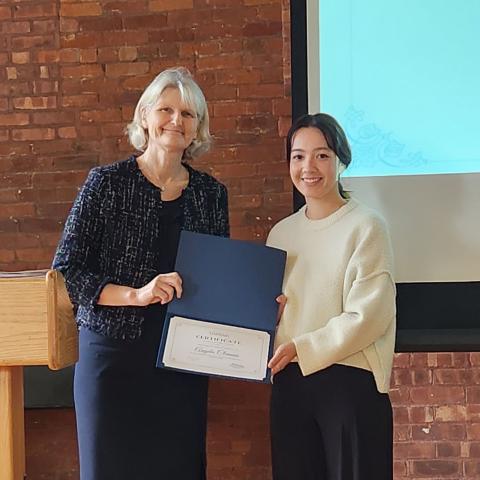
(216, 349)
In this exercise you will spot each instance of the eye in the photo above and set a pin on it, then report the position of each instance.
(296, 157)
(188, 114)
(322, 156)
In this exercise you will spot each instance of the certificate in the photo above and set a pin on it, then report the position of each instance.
(216, 349)
(224, 323)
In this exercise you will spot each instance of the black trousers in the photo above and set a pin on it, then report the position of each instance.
(331, 425)
(136, 421)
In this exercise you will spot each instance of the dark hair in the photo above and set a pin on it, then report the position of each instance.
(334, 135)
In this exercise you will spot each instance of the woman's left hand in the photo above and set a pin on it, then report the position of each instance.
(284, 354)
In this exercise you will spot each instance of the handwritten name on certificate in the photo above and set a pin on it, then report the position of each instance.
(216, 349)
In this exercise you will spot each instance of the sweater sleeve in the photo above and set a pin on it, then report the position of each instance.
(77, 255)
(368, 310)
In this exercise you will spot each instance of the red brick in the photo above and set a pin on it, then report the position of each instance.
(35, 10)
(68, 25)
(435, 395)
(85, 100)
(399, 468)
(89, 24)
(67, 132)
(262, 29)
(6, 256)
(44, 86)
(473, 431)
(475, 359)
(58, 179)
(44, 26)
(14, 119)
(473, 413)
(473, 394)
(415, 450)
(80, 9)
(108, 115)
(126, 69)
(421, 414)
(20, 57)
(82, 71)
(260, 91)
(401, 360)
(5, 12)
(120, 39)
(88, 55)
(82, 40)
(472, 467)
(438, 468)
(15, 27)
(34, 41)
(400, 415)
(48, 56)
(167, 5)
(33, 134)
(448, 449)
(439, 431)
(256, 2)
(17, 210)
(35, 103)
(451, 413)
(283, 107)
(232, 61)
(151, 21)
(127, 54)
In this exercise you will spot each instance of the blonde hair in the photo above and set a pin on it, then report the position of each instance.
(190, 93)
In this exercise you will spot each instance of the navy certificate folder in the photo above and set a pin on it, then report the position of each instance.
(227, 282)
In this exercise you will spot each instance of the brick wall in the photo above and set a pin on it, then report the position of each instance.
(436, 399)
(70, 75)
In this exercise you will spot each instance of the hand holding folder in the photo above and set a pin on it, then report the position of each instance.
(225, 321)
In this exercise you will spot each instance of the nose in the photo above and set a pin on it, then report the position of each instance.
(176, 117)
(309, 161)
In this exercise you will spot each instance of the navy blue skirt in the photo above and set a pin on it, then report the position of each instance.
(136, 421)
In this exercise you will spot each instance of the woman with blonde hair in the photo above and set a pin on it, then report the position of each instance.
(117, 255)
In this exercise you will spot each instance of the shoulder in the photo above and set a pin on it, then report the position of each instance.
(281, 231)
(206, 182)
(113, 172)
(366, 221)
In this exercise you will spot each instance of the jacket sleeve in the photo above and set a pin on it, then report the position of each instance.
(368, 310)
(77, 255)
(221, 207)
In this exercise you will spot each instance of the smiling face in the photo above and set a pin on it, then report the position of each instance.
(171, 123)
(314, 166)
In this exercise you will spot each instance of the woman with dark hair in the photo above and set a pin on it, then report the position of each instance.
(331, 417)
(117, 254)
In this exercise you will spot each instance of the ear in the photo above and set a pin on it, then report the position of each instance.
(143, 117)
(340, 167)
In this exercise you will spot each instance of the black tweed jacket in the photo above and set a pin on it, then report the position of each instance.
(110, 234)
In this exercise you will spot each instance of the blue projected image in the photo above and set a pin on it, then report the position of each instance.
(402, 78)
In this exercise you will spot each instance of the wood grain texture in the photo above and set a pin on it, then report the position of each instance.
(12, 428)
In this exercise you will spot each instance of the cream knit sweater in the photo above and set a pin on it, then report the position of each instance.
(340, 290)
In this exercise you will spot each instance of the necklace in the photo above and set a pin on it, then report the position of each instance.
(179, 181)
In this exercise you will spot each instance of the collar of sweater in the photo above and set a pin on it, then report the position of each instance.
(327, 221)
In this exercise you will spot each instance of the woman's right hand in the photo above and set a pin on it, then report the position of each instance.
(159, 290)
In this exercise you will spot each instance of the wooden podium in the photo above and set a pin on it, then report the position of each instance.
(37, 327)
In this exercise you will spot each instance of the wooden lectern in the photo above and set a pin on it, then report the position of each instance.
(37, 327)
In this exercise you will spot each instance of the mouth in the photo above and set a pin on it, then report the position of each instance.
(171, 131)
(311, 180)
